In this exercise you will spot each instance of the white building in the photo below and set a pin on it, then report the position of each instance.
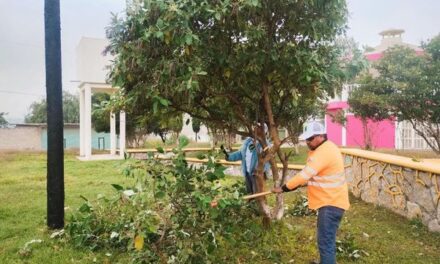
(92, 69)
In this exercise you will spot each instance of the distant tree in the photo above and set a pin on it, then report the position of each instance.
(175, 124)
(101, 119)
(367, 48)
(196, 126)
(3, 120)
(37, 112)
(70, 110)
(368, 103)
(138, 123)
(408, 88)
(353, 64)
(414, 88)
(352, 59)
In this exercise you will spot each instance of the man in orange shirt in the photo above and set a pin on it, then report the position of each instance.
(327, 188)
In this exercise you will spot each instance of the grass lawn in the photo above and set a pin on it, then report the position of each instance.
(387, 237)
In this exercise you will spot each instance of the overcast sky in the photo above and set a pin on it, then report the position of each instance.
(22, 78)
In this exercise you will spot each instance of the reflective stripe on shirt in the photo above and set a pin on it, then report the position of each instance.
(305, 176)
(338, 176)
(310, 170)
(307, 173)
(326, 185)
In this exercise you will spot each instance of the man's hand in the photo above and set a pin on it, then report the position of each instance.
(224, 152)
(277, 190)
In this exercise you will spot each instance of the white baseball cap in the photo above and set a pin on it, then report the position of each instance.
(313, 128)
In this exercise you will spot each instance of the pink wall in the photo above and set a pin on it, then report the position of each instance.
(379, 55)
(334, 130)
(382, 133)
(337, 105)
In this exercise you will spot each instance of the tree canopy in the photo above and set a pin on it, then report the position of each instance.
(3, 120)
(196, 126)
(367, 104)
(140, 120)
(231, 64)
(38, 112)
(408, 88)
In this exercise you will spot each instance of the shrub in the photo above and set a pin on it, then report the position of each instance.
(175, 212)
(301, 207)
(347, 248)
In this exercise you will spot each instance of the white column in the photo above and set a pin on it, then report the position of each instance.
(344, 131)
(413, 138)
(112, 134)
(396, 135)
(121, 134)
(88, 121)
(81, 123)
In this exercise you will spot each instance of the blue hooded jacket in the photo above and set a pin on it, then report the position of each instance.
(241, 155)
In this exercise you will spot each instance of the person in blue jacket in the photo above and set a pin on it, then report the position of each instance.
(249, 161)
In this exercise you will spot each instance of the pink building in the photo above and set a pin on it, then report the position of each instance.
(384, 134)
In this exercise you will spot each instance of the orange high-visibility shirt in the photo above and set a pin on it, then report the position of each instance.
(324, 176)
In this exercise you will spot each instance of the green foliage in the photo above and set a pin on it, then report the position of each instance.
(196, 126)
(70, 108)
(339, 117)
(3, 120)
(301, 207)
(293, 240)
(101, 119)
(368, 101)
(212, 59)
(407, 88)
(38, 112)
(138, 124)
(353, 61)
(230, 64)
(176, 213)
(348, 249)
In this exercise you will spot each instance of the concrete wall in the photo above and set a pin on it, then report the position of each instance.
(334, 129)
(35, 138)
(91, 63)
(71, 139)
(382, 133)
(20, 138)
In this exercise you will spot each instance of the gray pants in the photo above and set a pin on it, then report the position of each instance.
(251, 183)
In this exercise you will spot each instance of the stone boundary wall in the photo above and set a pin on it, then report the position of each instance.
(406, 186)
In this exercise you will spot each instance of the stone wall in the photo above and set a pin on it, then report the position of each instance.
(405, 186)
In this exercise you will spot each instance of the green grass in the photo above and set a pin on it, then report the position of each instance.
(390, 238)
(23, 203)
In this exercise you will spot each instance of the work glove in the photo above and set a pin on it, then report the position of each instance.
(224, 152)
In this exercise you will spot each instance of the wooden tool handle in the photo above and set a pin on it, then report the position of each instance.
(255, 195)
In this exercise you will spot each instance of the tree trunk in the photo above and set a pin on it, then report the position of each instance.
(268, 155)
(367, 135)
